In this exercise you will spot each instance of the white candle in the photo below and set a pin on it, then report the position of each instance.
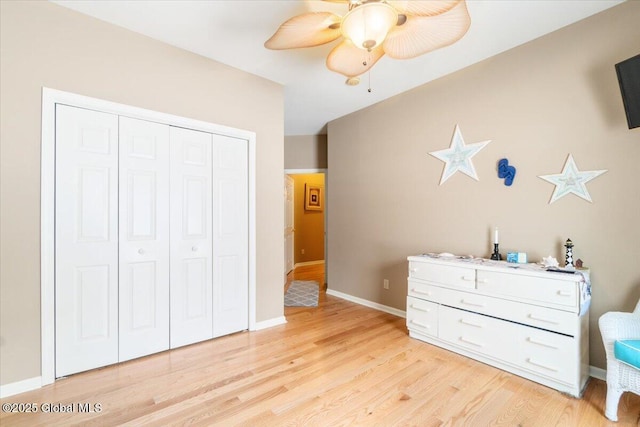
(495, 236)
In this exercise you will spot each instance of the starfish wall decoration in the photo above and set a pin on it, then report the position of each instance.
(458, 156)
(571, 180)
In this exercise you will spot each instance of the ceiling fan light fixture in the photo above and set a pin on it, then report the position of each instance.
(352, 81)
(368, 24)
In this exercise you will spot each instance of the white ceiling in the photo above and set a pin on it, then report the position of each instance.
(233, 32)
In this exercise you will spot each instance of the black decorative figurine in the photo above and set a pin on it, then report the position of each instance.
(568, 257)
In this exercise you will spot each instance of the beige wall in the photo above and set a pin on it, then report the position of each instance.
(43, 44)
(309, 225)
(537, 103)
(305, 152)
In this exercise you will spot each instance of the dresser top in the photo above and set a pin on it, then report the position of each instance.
(529, 269)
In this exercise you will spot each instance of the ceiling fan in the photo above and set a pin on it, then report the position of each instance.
(401, 29)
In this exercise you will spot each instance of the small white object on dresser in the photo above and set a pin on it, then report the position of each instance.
(516, 317)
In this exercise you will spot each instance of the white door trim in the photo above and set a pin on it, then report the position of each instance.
(289, 229)
(51, 97)
(324, 171)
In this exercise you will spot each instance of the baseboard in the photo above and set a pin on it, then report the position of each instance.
(598, 373)
(269, 323)
(18, 387)
(302, 264)
(368, 303)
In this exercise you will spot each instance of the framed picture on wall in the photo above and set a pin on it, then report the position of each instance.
(313, 198)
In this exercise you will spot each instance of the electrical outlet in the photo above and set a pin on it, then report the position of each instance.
(302, 251)
(385, 283)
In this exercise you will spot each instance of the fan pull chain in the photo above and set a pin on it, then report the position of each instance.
(369, 75)
(364, 63)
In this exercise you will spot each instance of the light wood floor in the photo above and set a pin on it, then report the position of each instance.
(307, 272)
(337, 364)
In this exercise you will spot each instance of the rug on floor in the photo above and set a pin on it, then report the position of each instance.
(302, 293)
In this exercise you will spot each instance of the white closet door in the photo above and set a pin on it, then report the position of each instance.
(191, 300)
(86, 221)
(144, 238)
(289, 230)
(230, 235)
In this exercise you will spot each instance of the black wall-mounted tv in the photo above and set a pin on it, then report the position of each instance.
(629, 79)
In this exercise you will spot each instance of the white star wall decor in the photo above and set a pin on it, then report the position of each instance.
(571, 180)
(458, 156)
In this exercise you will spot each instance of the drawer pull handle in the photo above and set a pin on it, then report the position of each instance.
(425, 310)
(468, 279)
(463, 339)
(544, 344)
(564, 293)
(413, 270)
(483, 281)
(422, 325)
(418, 291)
(534, 317)
(466, 322)
(475, 304)
(541, 365)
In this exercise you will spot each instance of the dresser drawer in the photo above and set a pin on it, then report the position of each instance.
(475, 332)
(551, 319)
(422, 316)
(548, 291)
(446, 275)
(548, 354)
(424, 291)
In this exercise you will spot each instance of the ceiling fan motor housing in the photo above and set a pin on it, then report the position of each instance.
(368, 23)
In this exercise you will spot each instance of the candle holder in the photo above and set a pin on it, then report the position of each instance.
(496, 253)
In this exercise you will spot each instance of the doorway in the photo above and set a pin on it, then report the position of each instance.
(306, 211)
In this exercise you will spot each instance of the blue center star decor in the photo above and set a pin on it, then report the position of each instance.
(571, 180)
(458, 156)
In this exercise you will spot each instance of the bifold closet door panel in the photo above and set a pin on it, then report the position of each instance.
(86, 243)
(230, 235)
(191, 282)
(144, 238)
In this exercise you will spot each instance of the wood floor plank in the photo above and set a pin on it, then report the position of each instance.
(336, 364)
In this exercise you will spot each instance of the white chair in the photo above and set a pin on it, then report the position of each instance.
(621, 377)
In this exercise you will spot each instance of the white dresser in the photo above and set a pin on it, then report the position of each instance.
(517, 317)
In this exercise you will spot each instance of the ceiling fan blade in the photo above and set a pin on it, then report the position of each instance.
(306, 30)
(351, 61)
(422, 34)
(423, 8)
